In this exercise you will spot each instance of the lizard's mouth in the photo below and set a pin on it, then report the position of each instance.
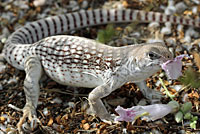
(164, 59)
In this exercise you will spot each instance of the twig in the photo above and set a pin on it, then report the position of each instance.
(62, 92)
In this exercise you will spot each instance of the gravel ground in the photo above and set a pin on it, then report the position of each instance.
(61, 109)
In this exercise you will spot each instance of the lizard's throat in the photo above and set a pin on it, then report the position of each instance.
(140, 70)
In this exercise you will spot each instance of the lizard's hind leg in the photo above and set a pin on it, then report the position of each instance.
(33, 71)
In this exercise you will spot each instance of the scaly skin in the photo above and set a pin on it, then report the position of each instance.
(83, 62)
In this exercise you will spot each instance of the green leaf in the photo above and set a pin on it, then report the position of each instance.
(101, 36)
(179, 117)
(188, 116)
(110, 31)
(195, 118)
(186, 107)
(107, 34)
(193, 124)
(191, 78)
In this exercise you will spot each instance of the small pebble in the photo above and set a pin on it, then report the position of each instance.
(181, 132)
(2, 68)
(188, 47)
(45, 111)
(124, 131)
(170, 9)
(71, 104)
(180, 27)
(162, 74)
(167, 29)
(171, 41)
(2, 128)
(177, 87)
(155, 131)
(1, 87)
(55, 126)
(158, 83)
(180, 7)
(73, 5)
(196, 1)
(37, 3)
(12, 81)
(84, 4)
(154, 40)
(4, 35)
(195, 9)
(21, 4)
(56, 100)
(135, 34)
(185, 98)
(153, 25)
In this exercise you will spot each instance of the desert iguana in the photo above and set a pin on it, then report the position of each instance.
(78, 61)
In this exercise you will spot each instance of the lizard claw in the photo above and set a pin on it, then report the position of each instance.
(28, 112)
(29, 128)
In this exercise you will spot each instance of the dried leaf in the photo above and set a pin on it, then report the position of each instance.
(197, 59)
(65, 117)
(194, 95)
(50, 122)
(187, 12)
(58, 119)
(75, 130)
(125, 3)
(86, 126)
(83, 121)
(2, 119)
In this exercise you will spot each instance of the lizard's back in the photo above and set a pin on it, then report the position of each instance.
(73, 60)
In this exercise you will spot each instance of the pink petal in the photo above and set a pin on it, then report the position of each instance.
(155, 112)
(173, 67)
(127, 115)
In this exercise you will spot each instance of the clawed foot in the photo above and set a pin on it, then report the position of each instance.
(29, 113)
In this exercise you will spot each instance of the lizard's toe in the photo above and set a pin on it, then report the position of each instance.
(23, 125)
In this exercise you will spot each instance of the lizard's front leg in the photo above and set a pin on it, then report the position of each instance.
(152, 95)
(96, 105)
(33, 71)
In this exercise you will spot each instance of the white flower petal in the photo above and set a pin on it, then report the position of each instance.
(173, 67)
(153, 112)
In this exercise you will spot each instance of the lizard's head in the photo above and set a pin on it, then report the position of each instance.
(151, 56)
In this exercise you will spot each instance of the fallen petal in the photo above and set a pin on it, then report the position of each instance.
(153, 112)
(173, 67)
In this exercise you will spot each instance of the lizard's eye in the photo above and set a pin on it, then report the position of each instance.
(153, 56)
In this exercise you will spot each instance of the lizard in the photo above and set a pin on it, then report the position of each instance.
(37, 48)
